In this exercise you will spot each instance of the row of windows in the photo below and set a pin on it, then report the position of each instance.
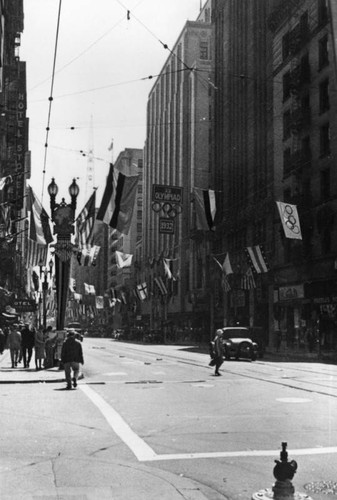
(294, 40)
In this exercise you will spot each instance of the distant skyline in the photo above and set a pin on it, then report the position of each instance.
(104, 58)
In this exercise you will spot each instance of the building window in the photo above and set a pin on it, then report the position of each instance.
(322, 13)
(306, 151)
(139, 189)
(286, 162)
(323, 52)
(286, 85)
(305, 69)
(139, 214)
(286, 46)
(325, 184)
(140, 163)
(286, 125)
(204, 50)
(139, 227)
(324, 103)
(325, 140)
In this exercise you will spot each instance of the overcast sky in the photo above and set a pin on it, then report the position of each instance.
(101, 60)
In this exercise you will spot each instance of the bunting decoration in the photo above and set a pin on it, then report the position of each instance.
(99, 302)
(205, 208)
(123, 259)
(118, 201)
(39, 228)
(87, 255)
(161, 285)
(72, 285)
(84, 223)
(142, 291)
(226, 267)
(290, 220)
(257, 259)
(89, 289)
(225, 283)
(4, 181)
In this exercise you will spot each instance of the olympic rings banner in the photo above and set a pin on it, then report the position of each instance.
(290, 220)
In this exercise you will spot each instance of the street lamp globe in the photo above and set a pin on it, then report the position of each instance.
(53, 188)
(73, 189)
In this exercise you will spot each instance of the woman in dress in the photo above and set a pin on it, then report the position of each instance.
(39, 348)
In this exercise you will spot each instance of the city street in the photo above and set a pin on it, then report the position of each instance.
(150, 421)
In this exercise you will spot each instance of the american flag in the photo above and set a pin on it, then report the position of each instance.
(247, 280)
(85, 223)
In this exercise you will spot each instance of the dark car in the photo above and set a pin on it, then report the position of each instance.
(77, 328)
(238, 343)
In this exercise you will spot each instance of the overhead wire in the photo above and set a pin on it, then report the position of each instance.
(51, 98)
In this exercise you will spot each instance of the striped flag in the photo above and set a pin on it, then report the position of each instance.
(257, 259)
(247, 280)
(39, 228)
(118, 201)
(35, 254)
(84, 223)
(161, 285)
(205, 209)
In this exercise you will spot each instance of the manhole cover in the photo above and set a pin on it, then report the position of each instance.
(325, 487)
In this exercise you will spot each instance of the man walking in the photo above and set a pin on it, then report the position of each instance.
(27, 344)
(71, 357)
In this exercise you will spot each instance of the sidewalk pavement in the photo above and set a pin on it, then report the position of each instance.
(21, 375)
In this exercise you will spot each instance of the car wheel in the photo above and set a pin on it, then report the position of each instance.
(253, 357)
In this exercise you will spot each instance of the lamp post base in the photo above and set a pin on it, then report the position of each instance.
(268, 494)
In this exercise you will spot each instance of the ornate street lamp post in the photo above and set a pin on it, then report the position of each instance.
(45, 285)
(63, 216)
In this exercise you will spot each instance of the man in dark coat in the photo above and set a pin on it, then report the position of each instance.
(71, 357)
(27, 344)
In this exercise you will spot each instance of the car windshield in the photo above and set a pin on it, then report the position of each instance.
(73, 325)
(238, 333)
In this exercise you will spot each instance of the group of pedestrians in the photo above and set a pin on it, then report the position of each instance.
(21, 343)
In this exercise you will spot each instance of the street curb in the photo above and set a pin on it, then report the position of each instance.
(35, 381)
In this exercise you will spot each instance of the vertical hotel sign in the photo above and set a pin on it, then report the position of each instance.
(333, 20)
(2, 44)
(20, 148)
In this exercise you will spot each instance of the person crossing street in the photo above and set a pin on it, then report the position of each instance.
(71, 358)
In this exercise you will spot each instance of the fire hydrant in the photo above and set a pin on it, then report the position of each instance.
(283, 488)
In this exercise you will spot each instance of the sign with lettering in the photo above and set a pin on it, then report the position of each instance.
(166, 226)
(291, 292)
(24, 305)
(168, 194)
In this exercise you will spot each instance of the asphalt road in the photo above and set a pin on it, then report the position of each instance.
(159, 412)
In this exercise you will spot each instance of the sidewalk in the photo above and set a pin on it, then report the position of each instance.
(20, 375)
